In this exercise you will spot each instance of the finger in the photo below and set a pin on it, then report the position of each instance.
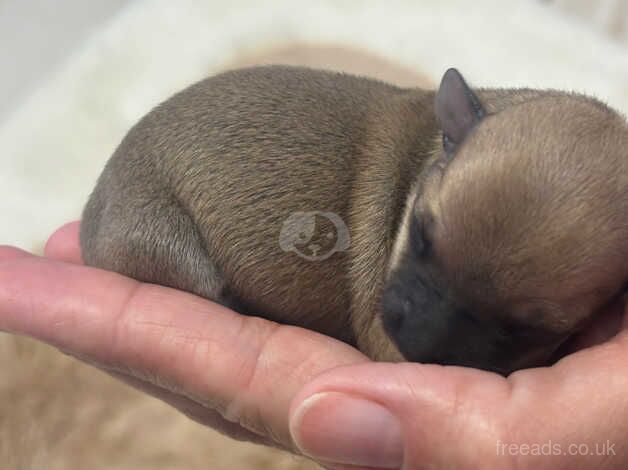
(413, 415)
(398, 416)
(63, 244)
(192, 409)
(8, 253)
(246, 368)
(582, 400)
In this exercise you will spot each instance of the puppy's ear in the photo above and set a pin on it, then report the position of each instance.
(457, 109)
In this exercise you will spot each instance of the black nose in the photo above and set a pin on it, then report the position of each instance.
(397, 306)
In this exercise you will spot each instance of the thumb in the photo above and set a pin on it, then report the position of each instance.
(399, 416)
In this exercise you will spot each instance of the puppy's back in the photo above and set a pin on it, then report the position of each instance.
(218, 168)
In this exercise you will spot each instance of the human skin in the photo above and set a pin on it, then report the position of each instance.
(313, 395)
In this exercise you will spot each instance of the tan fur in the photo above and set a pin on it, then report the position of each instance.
(566, 192)
(59, 414)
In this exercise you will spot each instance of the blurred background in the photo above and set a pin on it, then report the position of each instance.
(76, 74)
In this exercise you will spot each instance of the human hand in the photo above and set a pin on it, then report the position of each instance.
(295, 389)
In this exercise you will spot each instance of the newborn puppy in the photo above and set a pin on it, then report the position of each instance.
(455, 227)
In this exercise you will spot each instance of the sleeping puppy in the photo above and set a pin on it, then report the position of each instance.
(479, 228)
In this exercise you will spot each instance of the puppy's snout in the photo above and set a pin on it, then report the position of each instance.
(397, 309)
(399, 305)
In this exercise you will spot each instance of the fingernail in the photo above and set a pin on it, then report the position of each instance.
(336, 428)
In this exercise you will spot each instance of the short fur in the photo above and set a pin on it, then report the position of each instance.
(525, 208)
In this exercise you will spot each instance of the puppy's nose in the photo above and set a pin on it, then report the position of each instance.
(397, 308)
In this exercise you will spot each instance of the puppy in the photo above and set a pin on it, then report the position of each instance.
(479, 228)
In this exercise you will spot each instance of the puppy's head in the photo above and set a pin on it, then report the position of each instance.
(516, 231)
